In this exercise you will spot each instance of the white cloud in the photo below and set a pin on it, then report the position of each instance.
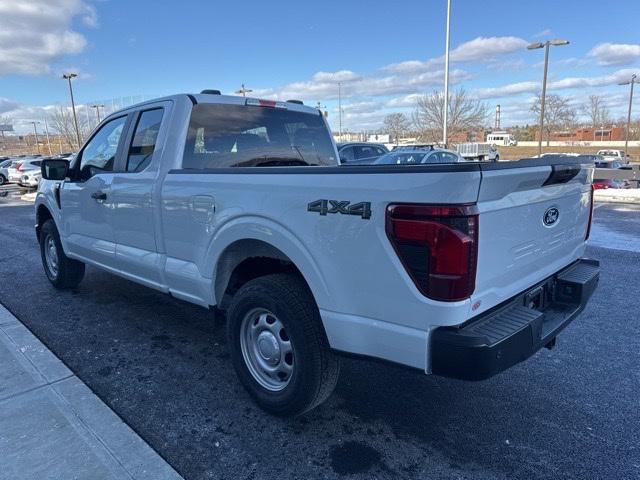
(36, 33)
(508, 90)
(6, 105)
(615, 53)
(543, 33)
(404, 101)
(360, 107)
(478, 50)
(599, 81)
(322, 87)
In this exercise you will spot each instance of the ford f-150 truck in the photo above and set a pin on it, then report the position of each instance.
(460, 270)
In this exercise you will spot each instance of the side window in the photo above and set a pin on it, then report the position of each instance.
(364, 151)
(144, 140)
(99, 154)
(346, 154)
(447, 157)
(381, 151)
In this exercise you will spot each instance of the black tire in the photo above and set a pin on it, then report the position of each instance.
(315, 368)
(497, 159)
(3, 179)
(69, 272)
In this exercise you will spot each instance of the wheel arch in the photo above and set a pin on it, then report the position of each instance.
(42, 215)
(246, 259)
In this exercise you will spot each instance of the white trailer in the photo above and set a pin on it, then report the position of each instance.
(478, 151)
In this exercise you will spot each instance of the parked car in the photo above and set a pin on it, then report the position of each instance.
(18, 167)
(354, 153)
(4, 171)
(607, 183)
(416, 156)
(31, 178)
(453, 269)
(618, 155)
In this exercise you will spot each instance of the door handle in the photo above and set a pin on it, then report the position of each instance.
(99, 195)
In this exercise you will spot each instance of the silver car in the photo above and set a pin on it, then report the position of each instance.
(419, 156)
(4, 171)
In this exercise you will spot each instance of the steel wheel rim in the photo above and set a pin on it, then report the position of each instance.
(51, 255)
(266, 349)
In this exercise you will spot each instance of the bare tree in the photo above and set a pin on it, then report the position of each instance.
(396, 124)
(596, 110)
(465, 113)
(558, 113)
(61, 121)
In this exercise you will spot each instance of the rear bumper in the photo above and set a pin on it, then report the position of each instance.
(513, 331)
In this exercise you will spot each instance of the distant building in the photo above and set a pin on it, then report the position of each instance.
(587, 134)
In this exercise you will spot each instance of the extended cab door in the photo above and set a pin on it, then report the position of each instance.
(136, 219)
(86, 200)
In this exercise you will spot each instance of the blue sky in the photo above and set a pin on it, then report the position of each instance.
(384, 53)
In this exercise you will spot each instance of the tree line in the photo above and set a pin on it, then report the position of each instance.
(467, 114)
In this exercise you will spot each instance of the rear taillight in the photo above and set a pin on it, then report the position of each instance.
(586, 237)
(19, 167)
(438, 246)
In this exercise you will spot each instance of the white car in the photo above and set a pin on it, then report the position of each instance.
(618, 155)
(4, 171)
(31, 178)
(460, 269)
(20, 166)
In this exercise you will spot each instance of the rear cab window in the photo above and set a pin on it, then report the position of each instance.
(222, 136)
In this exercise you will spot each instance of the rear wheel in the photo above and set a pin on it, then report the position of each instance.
(278, 345)
(3, 179)
(62, 271)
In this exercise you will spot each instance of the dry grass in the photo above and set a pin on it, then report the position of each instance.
(514, 153)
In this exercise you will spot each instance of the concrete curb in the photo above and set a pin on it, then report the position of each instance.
(53, 426)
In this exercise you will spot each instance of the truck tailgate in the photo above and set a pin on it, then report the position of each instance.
(533, 222)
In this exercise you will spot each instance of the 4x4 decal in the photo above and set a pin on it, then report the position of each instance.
(323, 207)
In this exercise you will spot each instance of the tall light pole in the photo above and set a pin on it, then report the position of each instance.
(46, 131)
(243, 91)
(68, 77)
(626, 139)
(35, 131)
(340, 108)
(545, 45)
(98, 107)
(446, 77)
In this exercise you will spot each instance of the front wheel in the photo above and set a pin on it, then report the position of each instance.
(62, 271)
(278, 346)
(3, 180)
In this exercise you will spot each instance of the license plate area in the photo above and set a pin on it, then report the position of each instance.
(539, 297)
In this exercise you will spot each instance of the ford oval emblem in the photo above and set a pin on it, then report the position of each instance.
(551, 216)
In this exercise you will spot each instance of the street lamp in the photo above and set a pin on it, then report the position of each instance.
(340, 108)
(98, 107)
(68, 77)
(446, 77)
(626, 139)
(243, 91)
(545, 45)
(35, 131)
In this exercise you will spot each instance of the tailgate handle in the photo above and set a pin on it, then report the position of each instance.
(561, 174)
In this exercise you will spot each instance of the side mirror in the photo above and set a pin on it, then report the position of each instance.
(343, 160)
(54, 169)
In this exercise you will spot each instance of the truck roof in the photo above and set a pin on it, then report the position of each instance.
(223, 99)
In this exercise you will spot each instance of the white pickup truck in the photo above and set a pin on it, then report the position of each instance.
(460, 270)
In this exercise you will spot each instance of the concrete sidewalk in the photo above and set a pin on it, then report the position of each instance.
(53, 427)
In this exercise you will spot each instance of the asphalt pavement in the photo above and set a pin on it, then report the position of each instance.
(163, 367)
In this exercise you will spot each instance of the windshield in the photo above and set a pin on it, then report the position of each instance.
(251, 136)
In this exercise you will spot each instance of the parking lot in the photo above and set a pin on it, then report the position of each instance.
(162, 366)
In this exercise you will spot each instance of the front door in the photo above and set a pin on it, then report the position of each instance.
(87, 199)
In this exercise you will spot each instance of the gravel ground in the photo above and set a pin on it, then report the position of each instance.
(162, 365)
